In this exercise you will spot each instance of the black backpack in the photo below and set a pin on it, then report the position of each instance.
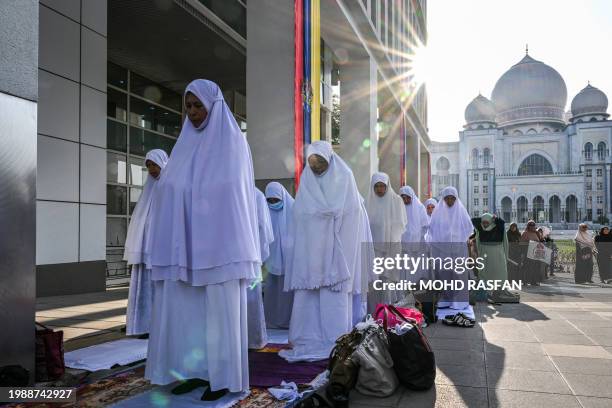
(413, 359)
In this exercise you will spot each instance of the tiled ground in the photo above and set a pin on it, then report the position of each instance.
(552, 350)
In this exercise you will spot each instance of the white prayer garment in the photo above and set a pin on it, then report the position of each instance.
(277, 302)
(327, 215)
(427, 203)
(417, 219)
(258, 336)
(449, 230)
(204, 249)
(414, 236)
(140, 296)
(387, 223)
(364, 274)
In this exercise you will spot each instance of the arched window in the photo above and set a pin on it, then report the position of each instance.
(545, 130)
(443, 164)
(538, 209)
(593, 119)
(506, 204)
(588, 151)
(474, 157)
(517, 132)
(531, 131)
(534, 165)
(521, 209)
(486, 156)
(601, 150)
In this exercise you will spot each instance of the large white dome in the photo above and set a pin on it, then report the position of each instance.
(529, 91)
(589, 101)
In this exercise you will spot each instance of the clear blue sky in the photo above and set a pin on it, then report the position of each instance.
(473, 42)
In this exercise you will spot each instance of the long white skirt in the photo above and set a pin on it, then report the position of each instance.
(140, 301)
(277, 303)
(258, 336)
(199, 332)
(319, 317)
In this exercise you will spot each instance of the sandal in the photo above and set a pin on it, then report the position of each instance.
(459, 319)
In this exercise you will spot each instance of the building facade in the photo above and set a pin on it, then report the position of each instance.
(107, 76)
(523, 156)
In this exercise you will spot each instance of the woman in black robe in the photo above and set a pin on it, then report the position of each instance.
(603, 243)
(532, 271)
(585, 248)
(514, 252)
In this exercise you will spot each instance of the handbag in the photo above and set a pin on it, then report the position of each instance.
(49, 353)
(409, 313)
(376, 375)
(413, 359)
(343, 369)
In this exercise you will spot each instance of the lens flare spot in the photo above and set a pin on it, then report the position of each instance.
(159, 400)
(366, 143)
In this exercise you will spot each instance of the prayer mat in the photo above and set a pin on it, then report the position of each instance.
(260, 398)
(102, 393)
(268, 369)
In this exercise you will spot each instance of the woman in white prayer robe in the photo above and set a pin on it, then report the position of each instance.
(140, 296)
(258, 336)
(327, 213)
(204, 250)
(430, 205)
(277, 302)
(387, 223)
(416, 227)
(449, 230)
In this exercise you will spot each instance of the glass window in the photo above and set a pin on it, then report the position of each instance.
(533, 165)
(485, 202)
(116, 104)
(588, 151)
(601, 150)
(589, 173)
(476, 190)
(116, 200)
(116, 230)
(231, 12)
(485, 189)
(599, 172)
(134, 196)
(589, 186)
(116, 168)
(476, 213)
(600, 186)
(485, 176)
(116, 135)
(475, 176)
(599, 200)
(138, 172)
(153, 117)
(117, 76)
(155, 92)
(142, 141)
(476, 201)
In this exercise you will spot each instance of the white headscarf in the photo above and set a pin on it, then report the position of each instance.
(281, 221)
(266, 233)
(135, 242)
(387, 214)
(430, 201)
(416, 216)
(326, 216)
(204, 218)
(584, 238)
(450, 224)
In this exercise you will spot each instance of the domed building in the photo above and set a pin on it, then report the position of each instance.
(523, 156)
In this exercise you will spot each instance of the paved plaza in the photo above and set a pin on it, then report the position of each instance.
(552, 350)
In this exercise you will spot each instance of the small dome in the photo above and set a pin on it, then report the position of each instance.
(530, 91)
(480, 109)
(589, 101)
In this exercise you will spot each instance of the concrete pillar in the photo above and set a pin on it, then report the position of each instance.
(270, 76)
(18, 115)
(358, 146)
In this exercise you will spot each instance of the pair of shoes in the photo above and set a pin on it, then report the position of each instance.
(189, 385)
(459, 319)
(210, 395)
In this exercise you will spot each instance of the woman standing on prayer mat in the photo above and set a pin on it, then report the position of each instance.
(277, 302)
(387, 215)
(204, 250)
(140, 297)
(326, 230)
(603, 242)
(585, 249)
(258, 336)
(449, 231)
(430, 206)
